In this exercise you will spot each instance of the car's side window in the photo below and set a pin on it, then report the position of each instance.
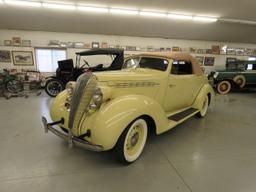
(131, 63)
(180, 67)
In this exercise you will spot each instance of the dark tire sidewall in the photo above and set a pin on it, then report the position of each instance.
(50, 81)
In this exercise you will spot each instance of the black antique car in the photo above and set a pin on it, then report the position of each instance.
(238, 74)
(67, 71)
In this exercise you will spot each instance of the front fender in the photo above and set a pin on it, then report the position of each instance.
(115, 115)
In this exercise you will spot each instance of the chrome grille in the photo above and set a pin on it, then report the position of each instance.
(83, 93)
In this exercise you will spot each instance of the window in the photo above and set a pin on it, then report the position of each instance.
(47, 59)
(181, 68)
(251, 67)
(153, 63)
(131, 63)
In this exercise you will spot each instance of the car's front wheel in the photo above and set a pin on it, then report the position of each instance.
(132, 141)
(224, 87)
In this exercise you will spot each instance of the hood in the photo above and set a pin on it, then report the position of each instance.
(130, 75)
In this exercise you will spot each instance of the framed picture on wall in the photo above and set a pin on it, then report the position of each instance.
(16, 41)
(5, 56)
(240, 51)
(200, 60)
(175, 49)
(22, 58)
(7, 42)
(95, 45)
(209, 61)
(216, 49)
(104, 45)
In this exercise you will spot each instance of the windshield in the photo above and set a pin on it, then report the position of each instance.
(95, 60)
(147, 62)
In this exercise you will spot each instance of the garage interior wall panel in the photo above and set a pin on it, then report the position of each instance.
(41, 39)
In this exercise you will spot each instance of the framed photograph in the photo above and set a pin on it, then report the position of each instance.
(79, 45)
(7, 42)
(5, 56)
(16, 41)
(200, 51)
(95, 45)
(162, 49)
(175, 49)
(104, 45)
(200, 60)
(240, 51)
(223, 49)
(216, 49)
(22, 58)
(209, 61)
(192, 50)
(26, 43)
(168, 49)
(208, 51)
(87, 45)
(231, 51)
(130, 48)
(248, 52)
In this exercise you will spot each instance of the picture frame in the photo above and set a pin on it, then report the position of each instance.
(209, 61)
(95, 45)
(248, 52)
(78, 45)
(26, 43)
(215, 49)
(104, 45)
(223, 49)
(7, 42)
(240, 51)
(16, 41)
(5, 56)
(87, 45)
(231, 51)
(23, 58)
(168, 49)
(200, 51)
(200, 60)
(208, 51)
(175, 49)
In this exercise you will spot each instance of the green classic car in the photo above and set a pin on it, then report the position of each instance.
(238, 74)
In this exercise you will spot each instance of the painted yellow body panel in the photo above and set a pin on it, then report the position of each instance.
(132, 93)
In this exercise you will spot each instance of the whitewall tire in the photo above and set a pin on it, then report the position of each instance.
(204, 108)
(132, 141)
(224, 87)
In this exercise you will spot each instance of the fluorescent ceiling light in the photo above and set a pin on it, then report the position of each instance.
(23, 3)
(152, 14)
(248, 22)
(1, 2)
(93, 9)
(177, 16)
(59, 6)
(204, 19)
(124, 11)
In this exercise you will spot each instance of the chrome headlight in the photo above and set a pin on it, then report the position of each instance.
(97, 100)
(215, 75)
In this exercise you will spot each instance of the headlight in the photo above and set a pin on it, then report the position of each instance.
(97, 100)
(215, 75)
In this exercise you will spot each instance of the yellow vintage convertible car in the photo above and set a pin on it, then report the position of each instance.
(116, 110)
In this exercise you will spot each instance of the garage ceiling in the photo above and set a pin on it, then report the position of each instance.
(40, 19)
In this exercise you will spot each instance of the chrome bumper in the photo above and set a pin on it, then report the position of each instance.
(72, 140)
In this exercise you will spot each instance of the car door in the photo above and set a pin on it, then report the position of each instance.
(182, 87)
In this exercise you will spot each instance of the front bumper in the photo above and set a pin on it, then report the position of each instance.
(72, 140)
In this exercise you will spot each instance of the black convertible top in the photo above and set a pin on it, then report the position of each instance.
(101, 51)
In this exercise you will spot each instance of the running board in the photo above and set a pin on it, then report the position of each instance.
(183, 114)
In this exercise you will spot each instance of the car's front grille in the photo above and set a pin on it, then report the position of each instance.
(83, 93)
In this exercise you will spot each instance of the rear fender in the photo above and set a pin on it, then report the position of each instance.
(205, 90)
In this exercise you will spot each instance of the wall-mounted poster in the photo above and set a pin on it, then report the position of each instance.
(223, 49)
(248, 52)
(162, 49)
(192, 50)
(209, 61)
(168, 49)
(22, 58)
(216, 49)
(200, 60)
(95, 45)
(16, 41)
(5, 56)
(7, 42)
(208, 51)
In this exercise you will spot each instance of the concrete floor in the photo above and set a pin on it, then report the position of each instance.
(214, 154)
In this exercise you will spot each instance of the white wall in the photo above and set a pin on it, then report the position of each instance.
(41, 39)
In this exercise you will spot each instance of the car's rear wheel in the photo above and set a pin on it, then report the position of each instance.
(204, 109)
(132, 141)
(224, 87)
(240, 80)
